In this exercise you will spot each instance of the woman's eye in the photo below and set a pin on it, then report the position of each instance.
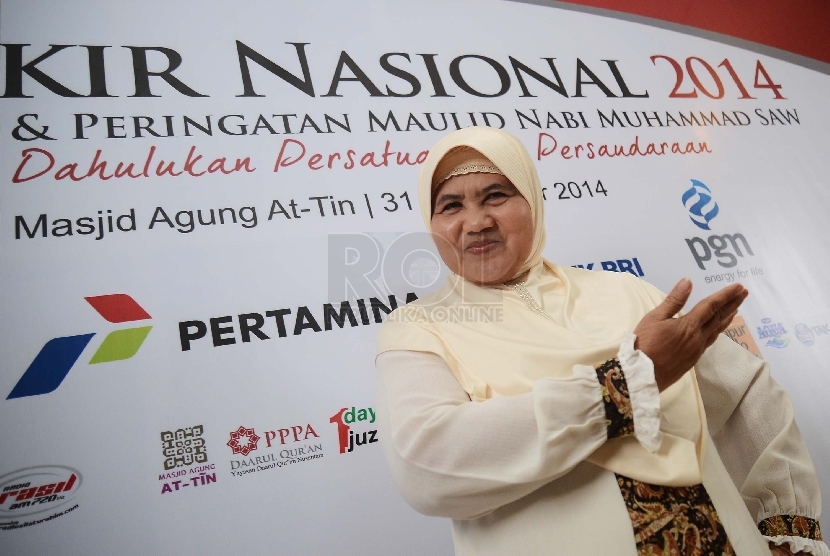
(451, 206)
(495, 195)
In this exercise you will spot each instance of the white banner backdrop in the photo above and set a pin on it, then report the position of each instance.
(176, 183)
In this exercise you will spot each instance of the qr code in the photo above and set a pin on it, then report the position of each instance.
(183, 447)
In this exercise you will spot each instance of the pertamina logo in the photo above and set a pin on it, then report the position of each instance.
(349, 439)
(35, 491)
(726, 248)
(59, 355)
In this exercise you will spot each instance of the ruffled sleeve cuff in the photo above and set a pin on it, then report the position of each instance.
(798, 533)
(619, 416)
(643, 392)
(800, 544)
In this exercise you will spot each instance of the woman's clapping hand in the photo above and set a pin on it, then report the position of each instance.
(675, 344)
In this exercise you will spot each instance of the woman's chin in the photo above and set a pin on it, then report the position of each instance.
(487, 275)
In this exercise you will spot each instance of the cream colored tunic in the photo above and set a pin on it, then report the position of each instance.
(511, 471)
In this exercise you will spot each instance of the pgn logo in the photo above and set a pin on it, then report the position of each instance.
(720, 246)
(698, 201)
(702, 210)
(58, 356)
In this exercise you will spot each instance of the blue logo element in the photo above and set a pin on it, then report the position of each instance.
(51, 366)
(698, 201)
(778, 342)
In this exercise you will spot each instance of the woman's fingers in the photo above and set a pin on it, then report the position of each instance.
(715, 305)
(687, 337)
(675, 301)
(723, 325)
(721, 320)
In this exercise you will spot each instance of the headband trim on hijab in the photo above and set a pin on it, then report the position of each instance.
(472, 169)
(460, 161)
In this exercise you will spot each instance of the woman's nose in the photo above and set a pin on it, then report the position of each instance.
(478, 220)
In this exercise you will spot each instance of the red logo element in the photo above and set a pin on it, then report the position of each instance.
(342, 429)
(118, 307)
(243, 441)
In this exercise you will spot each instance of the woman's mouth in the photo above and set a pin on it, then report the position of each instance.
(478, 247)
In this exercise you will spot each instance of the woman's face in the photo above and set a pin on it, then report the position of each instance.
(486, 227)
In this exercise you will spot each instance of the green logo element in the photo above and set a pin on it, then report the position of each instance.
(121, 344)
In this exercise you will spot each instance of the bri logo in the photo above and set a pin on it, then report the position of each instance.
(58, 356)
(698, 201)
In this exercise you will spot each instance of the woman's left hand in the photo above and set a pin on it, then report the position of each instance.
(784, 551)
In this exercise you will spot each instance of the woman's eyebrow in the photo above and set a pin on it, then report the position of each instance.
(492, 187)
(448, 197)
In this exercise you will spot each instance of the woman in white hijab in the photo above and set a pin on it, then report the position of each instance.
(550, 410)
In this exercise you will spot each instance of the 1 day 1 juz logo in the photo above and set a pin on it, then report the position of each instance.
(349, 439)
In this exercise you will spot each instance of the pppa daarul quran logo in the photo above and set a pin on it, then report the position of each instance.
(726, 248)
(243, 441)
(283, 447)
(59, 355)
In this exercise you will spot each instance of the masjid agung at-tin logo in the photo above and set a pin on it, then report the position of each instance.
(59, 355)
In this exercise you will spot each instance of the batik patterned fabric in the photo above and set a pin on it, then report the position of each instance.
(619, 417)
(673, 521)
(791, 526)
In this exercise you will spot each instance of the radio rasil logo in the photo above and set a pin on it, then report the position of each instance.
(774, 332)
(349, 439)
(245, 440)
(36, 491)
(726, 248)
(58, 356)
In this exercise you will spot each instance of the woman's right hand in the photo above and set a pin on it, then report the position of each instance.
(675, 344)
